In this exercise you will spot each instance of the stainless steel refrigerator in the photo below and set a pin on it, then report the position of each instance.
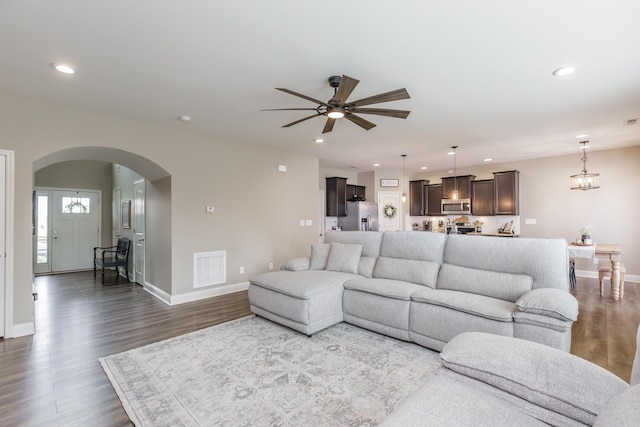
(361, 216)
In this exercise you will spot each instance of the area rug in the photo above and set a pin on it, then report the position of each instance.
(253, 372)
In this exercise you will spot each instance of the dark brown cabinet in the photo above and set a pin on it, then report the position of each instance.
(418, 197)
(462, 182)
(482, 197)
(506, 193)
(434, 197)
(336, 195)
(356, 192)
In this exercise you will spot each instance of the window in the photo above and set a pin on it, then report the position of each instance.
(79, 205)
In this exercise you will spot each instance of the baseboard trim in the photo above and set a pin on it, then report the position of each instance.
(22, 330)
(195, 296)
(594, 275)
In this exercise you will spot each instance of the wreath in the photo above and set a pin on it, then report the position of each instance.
(389, 211)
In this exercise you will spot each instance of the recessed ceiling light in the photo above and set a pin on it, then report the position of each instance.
(451, 153)
(375, 165)
(424, 168)
(488, 159)
(563, 71)
(63, 68)
(584, 135)
(185, 119)
(318, 140)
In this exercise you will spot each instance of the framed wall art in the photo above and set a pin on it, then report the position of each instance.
(389, 183)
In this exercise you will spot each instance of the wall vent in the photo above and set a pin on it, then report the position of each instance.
(630, 122)
(209, 268)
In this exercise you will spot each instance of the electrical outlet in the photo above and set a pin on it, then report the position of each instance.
(241, 270)
(530, 221)
(270, 266)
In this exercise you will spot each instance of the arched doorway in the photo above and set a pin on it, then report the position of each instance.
(152, 176)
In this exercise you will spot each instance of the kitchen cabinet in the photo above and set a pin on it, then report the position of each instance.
(418, 197)
(434, 197)
(506, 189)
(482, 197)
(356, 193)
(336, 195)
(463, 183)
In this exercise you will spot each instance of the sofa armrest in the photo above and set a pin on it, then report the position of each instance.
(296, 264)
(539, 374)
(549, 302)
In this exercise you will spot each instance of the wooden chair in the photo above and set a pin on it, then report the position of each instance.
(112, 256)
(604, 268)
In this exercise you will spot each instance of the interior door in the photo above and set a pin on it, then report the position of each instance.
(138, 222)
(391, 221)
(75, 231)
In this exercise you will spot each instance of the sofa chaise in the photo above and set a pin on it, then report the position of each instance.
(492, 381)
(424, 287)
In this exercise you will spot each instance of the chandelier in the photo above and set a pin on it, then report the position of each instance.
(585, 181)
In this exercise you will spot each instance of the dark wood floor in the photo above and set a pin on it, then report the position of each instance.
(54, 379)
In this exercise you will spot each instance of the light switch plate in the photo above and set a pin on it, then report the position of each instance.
(529, 221)
(282, 168)
(308, 222)
(302, 223)
(210, 209)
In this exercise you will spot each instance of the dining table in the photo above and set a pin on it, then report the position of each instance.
(610, 251)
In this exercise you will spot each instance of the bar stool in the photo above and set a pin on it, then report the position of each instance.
(604, 268)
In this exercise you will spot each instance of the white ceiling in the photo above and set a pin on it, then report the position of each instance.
(479, 73)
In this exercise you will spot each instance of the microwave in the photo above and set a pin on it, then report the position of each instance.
(455, 206)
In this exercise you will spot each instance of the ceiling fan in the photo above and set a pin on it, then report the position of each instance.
(338, 107)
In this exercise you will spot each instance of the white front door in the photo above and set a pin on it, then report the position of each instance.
(138, 231)
(389, 220)
(75, 229)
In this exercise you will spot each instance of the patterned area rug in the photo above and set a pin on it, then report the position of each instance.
(254, 372)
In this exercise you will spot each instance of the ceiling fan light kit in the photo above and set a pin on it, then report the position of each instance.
(338, 107)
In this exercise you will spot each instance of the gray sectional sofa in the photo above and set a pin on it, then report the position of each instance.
(424, 287)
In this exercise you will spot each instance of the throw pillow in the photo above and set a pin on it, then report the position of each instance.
(296, 264)
(344, 258)
(549, 302)
(319, 256)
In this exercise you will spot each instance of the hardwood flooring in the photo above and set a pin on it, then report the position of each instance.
(54, 379)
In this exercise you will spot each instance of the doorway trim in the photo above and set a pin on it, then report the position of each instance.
(8, 246)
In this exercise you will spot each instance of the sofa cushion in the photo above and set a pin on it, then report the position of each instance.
(549, 302)
(542, 375)
(370, 240)
(319, 256)
(545, 260)
(384, 287)
(344, 257)
(296, 264)
(621, 411)
(505, 286)
(420, 272)
(301, 284)
(478, 305)
(409, 245)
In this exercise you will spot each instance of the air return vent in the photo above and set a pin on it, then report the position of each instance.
(209, 268)
(630, 122)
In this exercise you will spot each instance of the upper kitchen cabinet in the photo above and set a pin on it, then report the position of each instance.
(462, 182)
(434, 197)
(336, 194)
(482, 197)
(356, 193)
(506, 187)
(418, 197)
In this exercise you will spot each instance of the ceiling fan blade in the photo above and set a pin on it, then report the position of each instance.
(328, 127)
(394, 95)
(301, 120)
(347, 85)
(400, 114)
(290, 109)
(308, 98)
(365, 124)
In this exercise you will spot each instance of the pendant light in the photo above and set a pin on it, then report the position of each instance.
(454, 195)
(404, 186)
(585, 181)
